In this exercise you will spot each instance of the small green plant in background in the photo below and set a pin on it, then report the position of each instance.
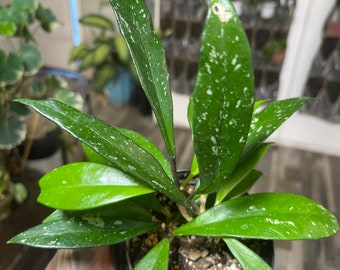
(19, 61)
(108, 199)
(105, 53)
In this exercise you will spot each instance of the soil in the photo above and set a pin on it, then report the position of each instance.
(197, 253)
(190, 252)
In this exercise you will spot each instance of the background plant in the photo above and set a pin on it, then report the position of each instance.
(19, 60)
(104, 53)
(126, 169)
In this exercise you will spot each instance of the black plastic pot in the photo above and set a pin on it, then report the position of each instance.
(45, 146)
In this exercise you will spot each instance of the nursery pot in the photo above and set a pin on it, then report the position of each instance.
(190, 252)
(45, 146)
(120, 88)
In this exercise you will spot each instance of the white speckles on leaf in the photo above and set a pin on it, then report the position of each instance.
(96, 221)
(213, 139)
(221, 13)
(118, 222)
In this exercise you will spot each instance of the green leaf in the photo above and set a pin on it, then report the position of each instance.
(103, 75)
(222, 101)
(245, 256)
(157, 258)
(11, 69)
(98, 21)
(241, 171)
(110, 143)
(70, 98)
(13, 131)
(148, 56)
(266, 121)
(31, 58)
(141, 141)
(101, 53)
(244, 186)
(47, 19)
(78, 52)
(150, 147)
(84, 185)
(277, 216)
(80, 229)
(7, 28)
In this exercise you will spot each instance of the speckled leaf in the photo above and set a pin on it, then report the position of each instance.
(141, 141)
(157, 258)
(270, 118)
(86, 185)
(150, 147)
(249, 259)
(80, 229)
(111, 144)
(264, 216)
(148, 56)
(222, 102)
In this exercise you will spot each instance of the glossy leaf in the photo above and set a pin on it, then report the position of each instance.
(264, 216)
(245, 256)
(148, 56)
(267, 120)
(241, 171)
(85, 185)
(141, 141)
(157, 258)
(150, 147)
(222, 101)
(245, 185)
(111, 144)
(80, 229)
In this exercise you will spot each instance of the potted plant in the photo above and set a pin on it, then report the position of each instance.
(20, 62)
(107, 56)
(130, 188)
(274, 52)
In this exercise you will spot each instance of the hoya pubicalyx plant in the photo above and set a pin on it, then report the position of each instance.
(114, 196)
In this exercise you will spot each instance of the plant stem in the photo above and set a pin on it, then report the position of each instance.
(174, 171)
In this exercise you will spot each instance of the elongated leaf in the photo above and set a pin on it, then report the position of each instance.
(157, 258)
(123, 209)
(85, 185)
(148, 56)
(246, 257)
(80, 229)
(222, 102)
(111, 144)
(245, 185)
(150, 147)
(98, 21)
(141, 141)
(266, 121)
(264, 216)
(241, 171)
